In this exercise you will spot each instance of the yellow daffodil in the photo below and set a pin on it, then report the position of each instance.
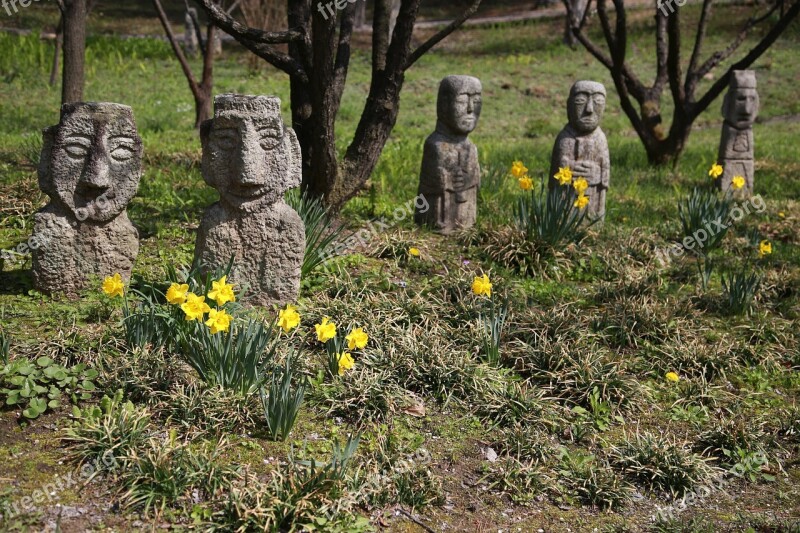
(525, 183)
(673, 377)
(357, 339)
(176, 294)
(581, 201)
(481, 286)
(737, 182)
(288, 318)
(218, 320)
(764, 248)
(781, 214)
(518, 170)
(564, 176)
(413, 251)
(345, 362)
(716, 171)
(113, 286)
(326, 330)
(580, 185)
(222, 292)
(195, 307)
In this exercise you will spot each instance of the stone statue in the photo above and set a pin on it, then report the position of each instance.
(90, 168)
(740, 108)
(450, 174)
(190, 42)
(252, 159)
(582, 146)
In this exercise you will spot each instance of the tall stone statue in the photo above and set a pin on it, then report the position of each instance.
(582, 146)
(90, 168)
(740, 108)
(450, 174)
(252, 159)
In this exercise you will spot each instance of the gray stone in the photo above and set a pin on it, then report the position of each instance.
(450, 174)
(740, 109)
(90, 168)
(582, 146)
(252, 159)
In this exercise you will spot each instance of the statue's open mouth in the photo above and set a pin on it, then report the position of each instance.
(86, 195)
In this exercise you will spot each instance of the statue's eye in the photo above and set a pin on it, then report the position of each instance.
(270, 137)
(76, 150)
(599, 100)
(122, 153)
(226, 139)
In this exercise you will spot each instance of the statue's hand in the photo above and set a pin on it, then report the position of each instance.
(589, 170)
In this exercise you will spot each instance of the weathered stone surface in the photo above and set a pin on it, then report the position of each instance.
(90, 168)
(582, 146)
(736, 148)
(450, 174)
(252, 159)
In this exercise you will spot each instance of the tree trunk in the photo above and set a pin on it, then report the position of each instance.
(75, 15)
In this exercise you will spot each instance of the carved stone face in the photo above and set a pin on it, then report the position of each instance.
(741, 103)
(92, 160)
(459, 105)
(249, 156)
(585, 107)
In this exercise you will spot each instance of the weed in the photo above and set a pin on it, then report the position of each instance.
(321, 232)
(590, 482)
(39, 386)
(107, 433)
(660, 463)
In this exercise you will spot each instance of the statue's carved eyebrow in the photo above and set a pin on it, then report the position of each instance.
(122, 138)
(78, 137)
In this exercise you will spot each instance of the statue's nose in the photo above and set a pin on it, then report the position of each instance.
(250, 163)
(589, 107)
(98, 173)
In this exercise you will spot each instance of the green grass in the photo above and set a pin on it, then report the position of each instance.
(578, 410)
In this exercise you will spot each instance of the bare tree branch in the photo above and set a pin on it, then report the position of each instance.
(380, 34)
(224, 21)
(722, 55)
(757, 51)
(436, 39)
(702, 27)
(257, 41)
(176, 48)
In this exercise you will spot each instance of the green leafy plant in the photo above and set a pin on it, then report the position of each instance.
(492, 323)
(549, 218)
(591, 482)
(321, 232)
(749, 465)
(106, 434)
(697, 213)
(5, 347)
(282, 404)
(235, 359)
(739, 290)
(599, 412)
(660, 463)
(42, 384)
